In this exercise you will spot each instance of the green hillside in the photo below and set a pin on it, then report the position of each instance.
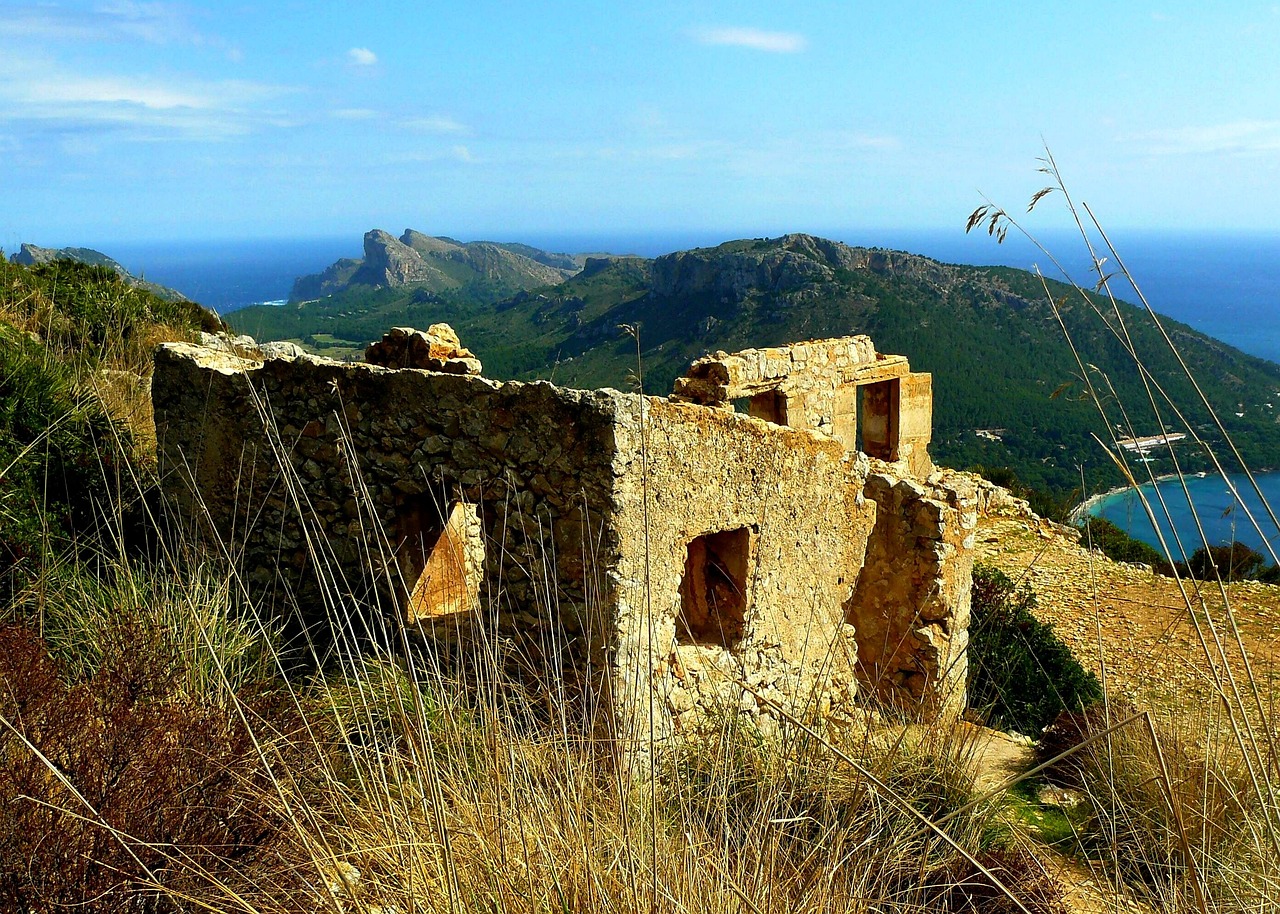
(987, 334)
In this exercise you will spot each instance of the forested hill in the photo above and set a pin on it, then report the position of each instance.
(988, 335)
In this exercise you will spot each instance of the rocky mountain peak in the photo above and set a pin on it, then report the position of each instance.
(388, 261)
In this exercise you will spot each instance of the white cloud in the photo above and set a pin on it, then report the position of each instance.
(433, 124)
(362, 57)
(1248, 137)
(48, 97)
(154, 23)
(107, 90)
(755, 39)
(462, 154)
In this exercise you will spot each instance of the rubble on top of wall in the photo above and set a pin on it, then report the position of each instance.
(246, 347)
(435, 349)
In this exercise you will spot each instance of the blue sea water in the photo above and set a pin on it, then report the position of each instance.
(1220, 513)
(226, 275)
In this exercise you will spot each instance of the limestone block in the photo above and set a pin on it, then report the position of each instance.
(435, 349)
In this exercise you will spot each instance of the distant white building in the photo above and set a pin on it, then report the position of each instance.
(1142, 446)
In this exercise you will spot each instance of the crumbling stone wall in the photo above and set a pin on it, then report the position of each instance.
(674, 560)
(817, 385)
(782, 505)
(911, 604)
(322, 476)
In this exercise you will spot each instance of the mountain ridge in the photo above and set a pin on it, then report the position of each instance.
(989, 335)
(30, 255)
(437, 264)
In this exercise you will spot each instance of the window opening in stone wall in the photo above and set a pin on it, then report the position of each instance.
(441, 558)
(770, 405)
(878, 420)
(713, 592)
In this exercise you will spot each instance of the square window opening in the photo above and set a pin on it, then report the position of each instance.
(769, 405)
(713, 592)
(441, 559)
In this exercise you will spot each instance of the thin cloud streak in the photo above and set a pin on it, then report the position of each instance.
(1247, 137)
(754, 39)
(153, 23)
(36, 92)
(433, 124)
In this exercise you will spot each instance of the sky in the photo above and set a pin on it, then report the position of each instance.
(136, 121)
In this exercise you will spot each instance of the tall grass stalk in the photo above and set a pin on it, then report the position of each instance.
(1206, 856)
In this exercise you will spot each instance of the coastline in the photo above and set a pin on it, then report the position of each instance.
(1085, 508)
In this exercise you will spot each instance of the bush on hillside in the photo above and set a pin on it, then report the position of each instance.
(1054, 505)
(1119, 546)
(88, 312)
(119, 794)
(1231, 562)
(57, 449)
(60, 450)
(1021, 675)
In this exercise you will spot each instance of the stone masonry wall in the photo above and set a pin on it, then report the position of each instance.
(911, 604)
(797, 501)
(816, 385)
(682, 562)
(317, 474)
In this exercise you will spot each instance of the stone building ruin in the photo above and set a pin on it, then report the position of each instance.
(677, 557)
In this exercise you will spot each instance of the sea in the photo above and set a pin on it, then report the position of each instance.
(1226, 513)
(1224, 284)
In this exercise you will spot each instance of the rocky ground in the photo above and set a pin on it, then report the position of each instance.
(1133, 625)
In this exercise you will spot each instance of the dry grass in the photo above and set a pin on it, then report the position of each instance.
(1184, 807)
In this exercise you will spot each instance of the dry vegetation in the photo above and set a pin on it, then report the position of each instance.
(156, 755)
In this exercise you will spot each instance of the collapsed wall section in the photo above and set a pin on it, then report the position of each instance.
(911, 604)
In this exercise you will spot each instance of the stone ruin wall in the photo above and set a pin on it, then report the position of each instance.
(373, 458)
(786, 508)
(843, 388)
(570, 524)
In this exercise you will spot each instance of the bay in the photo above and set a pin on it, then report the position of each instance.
(1218, 510)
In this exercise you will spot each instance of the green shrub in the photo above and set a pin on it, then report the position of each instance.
(1119, 546)
(1020, 674)
(57, 449)
(91, 311)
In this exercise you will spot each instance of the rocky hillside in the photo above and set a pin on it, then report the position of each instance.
(438, 265)
(989, 336)
(30, 255)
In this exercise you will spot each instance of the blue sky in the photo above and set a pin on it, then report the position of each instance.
(136, 121)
